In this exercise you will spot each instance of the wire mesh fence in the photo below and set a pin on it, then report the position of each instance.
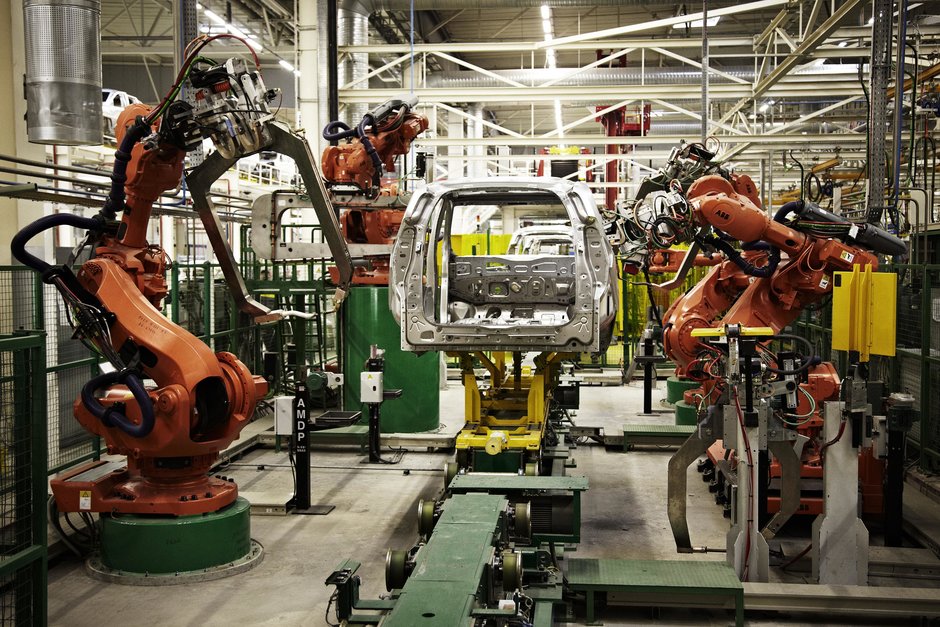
(22, 480)
(200, 302)
(915, 368)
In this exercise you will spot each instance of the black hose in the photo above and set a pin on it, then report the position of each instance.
(809, 359)
(122, 157)
(28, 232)
(370, 149)
(802, 171)
(113, 416)
(330, 132)
(794, 205)
(762, 272)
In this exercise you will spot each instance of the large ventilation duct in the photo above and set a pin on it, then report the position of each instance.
(63, 71)
(616, 76)
(352, 26)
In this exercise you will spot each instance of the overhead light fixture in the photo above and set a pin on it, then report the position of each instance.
(546, 26)
(550, 58)
(287, 66)
(215, 18)
(546, 12)
(712, 21)
(558, 119)
(763, 108)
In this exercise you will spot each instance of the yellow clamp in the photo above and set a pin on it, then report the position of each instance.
(721, 331)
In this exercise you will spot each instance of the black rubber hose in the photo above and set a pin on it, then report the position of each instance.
(112, 416)
(28, 232)
(330, 132)
(773, 259)
(370, 149)
(122, 157)
(794, 205)
(809, 359)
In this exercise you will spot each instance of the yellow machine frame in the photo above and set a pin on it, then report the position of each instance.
(511, 414)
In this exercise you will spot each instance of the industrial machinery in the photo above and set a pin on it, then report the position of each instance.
(492, 309)
(160, 511)
(787, 263)
(477, 567)
(370, 212)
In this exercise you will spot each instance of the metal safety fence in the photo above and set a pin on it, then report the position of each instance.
(916, 367)
(22, 479)
(199, 301)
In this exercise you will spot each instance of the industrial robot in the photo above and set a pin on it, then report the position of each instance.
(165, 401)
(785, 264)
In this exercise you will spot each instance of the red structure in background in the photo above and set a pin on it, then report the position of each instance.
(621, 122)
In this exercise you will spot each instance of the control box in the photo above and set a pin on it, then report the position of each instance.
(370, 387)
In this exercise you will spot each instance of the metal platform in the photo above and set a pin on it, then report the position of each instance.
(658, 583)
(506, 483)
(655, 435)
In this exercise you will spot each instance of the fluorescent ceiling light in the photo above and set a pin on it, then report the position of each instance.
(546, 12)
(763, 108)
(842, 44)
(546, 26)
(548, 37)
(698, 23)
(215, 18)
(287, 66)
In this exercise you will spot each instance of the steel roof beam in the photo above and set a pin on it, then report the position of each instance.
(808, 88)
(831, 139)
(812, 40)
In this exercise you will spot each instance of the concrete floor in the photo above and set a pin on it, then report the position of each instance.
(624, 516)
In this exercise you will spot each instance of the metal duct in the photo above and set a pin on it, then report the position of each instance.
(353, 30)
(63, 71)
(455, 5)
(609, 76)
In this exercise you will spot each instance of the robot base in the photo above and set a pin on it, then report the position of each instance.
(163, 550)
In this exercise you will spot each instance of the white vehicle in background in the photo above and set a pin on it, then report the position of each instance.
(113, 102)
(546, 239)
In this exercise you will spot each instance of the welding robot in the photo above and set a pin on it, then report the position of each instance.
(785, 264)
(165, 401)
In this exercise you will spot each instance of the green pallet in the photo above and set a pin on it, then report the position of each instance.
(659, 583)
(662, 435)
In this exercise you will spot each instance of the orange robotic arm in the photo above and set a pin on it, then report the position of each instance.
(173, 432)
(382, 135)
(756, 288)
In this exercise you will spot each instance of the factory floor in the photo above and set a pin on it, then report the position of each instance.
(624, 516)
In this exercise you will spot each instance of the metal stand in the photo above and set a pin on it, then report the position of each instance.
(899, 420)
(748, 552)
(373, 393)
(840, 540)
(300, 445)
(648, 358)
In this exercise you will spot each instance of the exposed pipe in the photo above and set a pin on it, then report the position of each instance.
(612, 76)
(332, 60)
(352, 28)
(371, 6)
